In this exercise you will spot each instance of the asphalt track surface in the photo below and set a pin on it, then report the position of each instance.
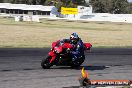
(20, 68)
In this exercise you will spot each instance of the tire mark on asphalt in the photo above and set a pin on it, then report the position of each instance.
(24, 69)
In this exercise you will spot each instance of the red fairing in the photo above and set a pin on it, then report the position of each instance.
(87, 46)
(58, 49)
(53, 55)
(67, 45)
(54, 43)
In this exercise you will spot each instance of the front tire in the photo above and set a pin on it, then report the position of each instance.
(45, 64)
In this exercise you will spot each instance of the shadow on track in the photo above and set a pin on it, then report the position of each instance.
(79, 68)
(94, 67)
(58, 67)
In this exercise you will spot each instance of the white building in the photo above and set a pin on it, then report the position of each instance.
(7, 8)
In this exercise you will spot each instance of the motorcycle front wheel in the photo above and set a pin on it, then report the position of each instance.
(45, 63)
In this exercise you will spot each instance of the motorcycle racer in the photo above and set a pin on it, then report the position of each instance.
(66, 52)
(78, 46)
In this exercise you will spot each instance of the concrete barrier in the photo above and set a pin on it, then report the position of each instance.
(109, 17)
(126, 18)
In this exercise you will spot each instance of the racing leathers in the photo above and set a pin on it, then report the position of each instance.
(78, 48)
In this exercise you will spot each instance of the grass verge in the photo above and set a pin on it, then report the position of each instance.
(38, 35)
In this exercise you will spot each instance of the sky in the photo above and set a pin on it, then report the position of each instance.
(129, 0)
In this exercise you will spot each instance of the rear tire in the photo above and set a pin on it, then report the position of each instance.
(45, 64)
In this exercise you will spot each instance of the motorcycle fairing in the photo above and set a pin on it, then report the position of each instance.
(53, 55)
(87, 46)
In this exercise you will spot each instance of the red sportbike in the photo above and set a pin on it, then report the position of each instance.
(60, 56)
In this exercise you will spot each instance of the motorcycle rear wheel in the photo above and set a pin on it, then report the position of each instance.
(45, 63)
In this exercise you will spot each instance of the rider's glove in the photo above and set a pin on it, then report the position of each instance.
(68, 50)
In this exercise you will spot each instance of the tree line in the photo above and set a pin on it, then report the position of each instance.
(100, 6)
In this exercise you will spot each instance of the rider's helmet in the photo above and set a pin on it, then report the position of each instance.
(74, 38)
